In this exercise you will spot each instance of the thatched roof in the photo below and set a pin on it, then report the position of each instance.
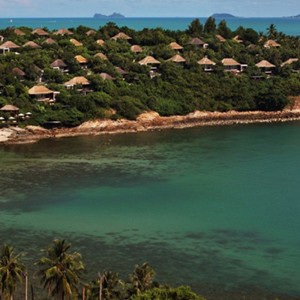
(265, 64)
(220, 38)
(63, 31)
(91, 32)
(58, 63)
(136, 49)
(271, 43)
(206, 61)
(177, 59)
(9, 107)
(32, 44)
(80, 59)
(149, 60)
(40, 90)
(196, 42)
(100, 42)
(175, 46)
(289, 61)
(106, 76)
(18, 72)
(75, 43)
(49, 41)
(121, 36)
(19, 32)
(101, 56)
(230, 62)
(238, 39)
(121, 71)
(78, 80)
(9, 45)
(40, 32)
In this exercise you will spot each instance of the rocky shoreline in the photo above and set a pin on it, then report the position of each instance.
(148, 121)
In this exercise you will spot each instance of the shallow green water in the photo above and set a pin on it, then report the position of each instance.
(216, 206)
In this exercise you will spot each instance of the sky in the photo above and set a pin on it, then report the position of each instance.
(148, 8)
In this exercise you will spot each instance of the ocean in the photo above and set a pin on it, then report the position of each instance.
(289, 26)
(216, 208)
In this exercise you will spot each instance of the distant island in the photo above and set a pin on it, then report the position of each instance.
(223, 16)
(114, 15)
(295, 17)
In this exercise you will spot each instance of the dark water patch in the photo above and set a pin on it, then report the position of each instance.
(32, 188)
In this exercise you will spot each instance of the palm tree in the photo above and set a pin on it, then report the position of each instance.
(142, 277)
(272, 31)
(60, 271)
(106, 286)
(11, 271)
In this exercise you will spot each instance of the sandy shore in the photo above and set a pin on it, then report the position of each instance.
(148, 121)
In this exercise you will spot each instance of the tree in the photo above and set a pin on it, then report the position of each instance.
(167, 293)
(108, 284)
(272, 31)
(224, 30)
(60, 271)
(142, 277)
(195, 28)
(210, 25)
(11, 271)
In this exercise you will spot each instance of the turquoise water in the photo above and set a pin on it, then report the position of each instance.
(287, 25)
(209, 207)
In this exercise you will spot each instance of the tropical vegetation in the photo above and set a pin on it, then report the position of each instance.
(60, 274)
(126, 87)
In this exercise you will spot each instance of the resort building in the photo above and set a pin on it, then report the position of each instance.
(60, 65)
(32, 44)
(198, 43)
(220, 38)
(91, 32)
(121, 71)
(175, 46)
(40, 32)
(81, 60)
(177, 59)
(231, 65)
(43, 94)
(153, 63)
(80, 81)
(63, 31)
(49, 41)
(19, 32)
(136, 49)
(100, 42)
(265, 66)
(207, 64)
(101, 56)
(11, 109)
(106, 76)
(8, 46)
(237, 39)
(121, 36)
(290, 61)
(17, 72)
(271, 43)
(149, 60)
(76, 43)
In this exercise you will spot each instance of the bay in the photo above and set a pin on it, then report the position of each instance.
(290, 26)
(210, 207)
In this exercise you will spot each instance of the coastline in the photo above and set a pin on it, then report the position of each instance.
(148, 121)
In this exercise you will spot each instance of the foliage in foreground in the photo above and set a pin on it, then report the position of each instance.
(61, 275)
